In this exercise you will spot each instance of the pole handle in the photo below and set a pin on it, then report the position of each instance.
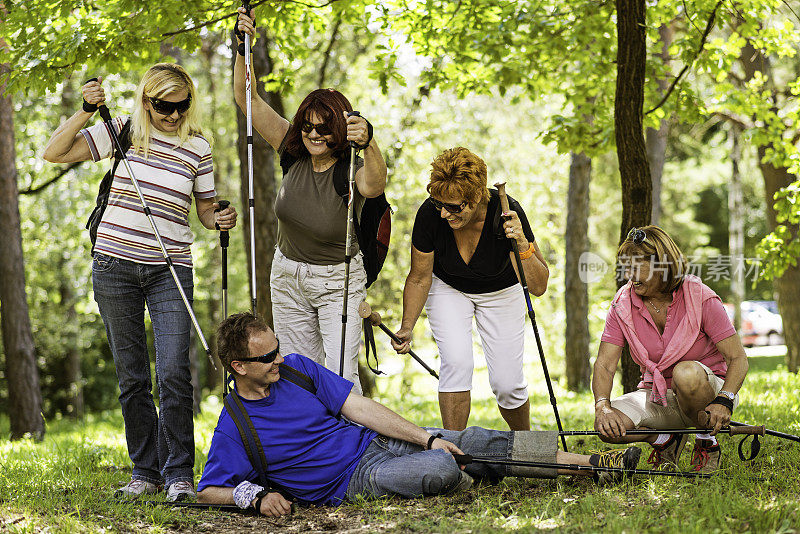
(224, 236)
(501, 189)
(353, 114)
(365, 312)
(748, 429)
(463, 459)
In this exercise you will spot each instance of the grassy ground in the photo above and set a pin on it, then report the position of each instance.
(65, 483)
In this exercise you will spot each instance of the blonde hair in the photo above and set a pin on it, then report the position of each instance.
(659, 247)
(160, 80)
(458, 173)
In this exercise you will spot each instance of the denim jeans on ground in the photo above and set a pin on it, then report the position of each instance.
(160, 445)
(396, 467)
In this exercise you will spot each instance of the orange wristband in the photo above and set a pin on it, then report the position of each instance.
(528, 253)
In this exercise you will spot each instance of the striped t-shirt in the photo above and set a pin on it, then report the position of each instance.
(167, 178)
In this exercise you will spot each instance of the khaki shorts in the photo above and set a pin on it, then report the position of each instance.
(651, 415)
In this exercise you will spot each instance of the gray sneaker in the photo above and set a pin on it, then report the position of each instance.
(135, 488)
(626, 459)
(181, 491)
(464, 483)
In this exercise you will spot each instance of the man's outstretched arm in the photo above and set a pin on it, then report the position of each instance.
(273, 504)
(381, 419)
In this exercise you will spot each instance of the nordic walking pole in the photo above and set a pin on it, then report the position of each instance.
(106, 115)
(733, 431)
(768, 432)
(364, 311)
(251, 203)
(224, 240)
(347, 244)
(501, 188)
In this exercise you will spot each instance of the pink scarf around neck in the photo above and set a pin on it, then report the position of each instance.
(695, 292)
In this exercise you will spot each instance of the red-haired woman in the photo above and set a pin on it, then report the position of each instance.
(307, 275)
(462, 264)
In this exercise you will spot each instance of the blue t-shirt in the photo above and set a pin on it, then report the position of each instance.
(311, 452)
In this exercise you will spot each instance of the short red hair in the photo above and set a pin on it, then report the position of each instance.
(458, 173)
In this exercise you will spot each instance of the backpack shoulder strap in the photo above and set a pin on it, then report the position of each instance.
(126, 142)
(341, 175)
(298, 378)
(252, 445)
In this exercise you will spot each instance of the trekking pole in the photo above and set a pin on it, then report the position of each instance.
(251, 203)
(767, 431)
(347, 243)
(224, 240)
(106, 115)
(501, 188)
(733, 431)
(365, 312)
(464, 459)
(755, 445)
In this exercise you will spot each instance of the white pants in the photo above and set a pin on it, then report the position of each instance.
(500, 317)
(307, 311)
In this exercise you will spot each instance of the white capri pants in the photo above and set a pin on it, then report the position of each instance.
(307, 311)
(500, 317)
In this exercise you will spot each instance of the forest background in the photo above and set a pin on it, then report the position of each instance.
(599, 115)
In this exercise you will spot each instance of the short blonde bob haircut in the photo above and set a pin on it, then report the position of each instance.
(458, 173)
(161, 80)
(660, 250)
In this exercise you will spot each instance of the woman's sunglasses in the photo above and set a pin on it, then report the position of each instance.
(637, 236)
(321, 128)
(451, 208)
(165, 107)
(264, 358)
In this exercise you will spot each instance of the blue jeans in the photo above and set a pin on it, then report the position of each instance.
(394, 467)
(160, 445)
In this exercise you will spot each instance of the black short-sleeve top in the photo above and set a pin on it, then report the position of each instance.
(490, 267)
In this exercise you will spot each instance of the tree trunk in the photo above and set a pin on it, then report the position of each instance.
(24, 394)
(736, 227)
(264, 184)
(656, 139)
(576, 294)
(633, 167)
(787, 286)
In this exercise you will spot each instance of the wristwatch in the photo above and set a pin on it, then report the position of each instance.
(259, 496)
(727, 394)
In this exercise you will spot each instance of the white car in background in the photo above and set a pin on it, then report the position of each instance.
(760, 325)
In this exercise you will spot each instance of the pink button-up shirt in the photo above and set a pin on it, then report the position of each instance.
(714, 327)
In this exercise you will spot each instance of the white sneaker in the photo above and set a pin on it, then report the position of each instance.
(181, 491)
(135, 488)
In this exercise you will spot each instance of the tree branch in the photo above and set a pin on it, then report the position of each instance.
(327, 54)
(65, 170)
(709, 26)
(235, 13)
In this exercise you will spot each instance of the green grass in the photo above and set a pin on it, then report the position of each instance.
(64, 484)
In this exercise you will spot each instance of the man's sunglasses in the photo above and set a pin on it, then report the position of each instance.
(451, 208)
(264, 358)
(165, 107)
(637, 236)
(322, 128)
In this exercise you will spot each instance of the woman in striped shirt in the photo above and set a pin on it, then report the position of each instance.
(171, 160)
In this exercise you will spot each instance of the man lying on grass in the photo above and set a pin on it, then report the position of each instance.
(333, 445)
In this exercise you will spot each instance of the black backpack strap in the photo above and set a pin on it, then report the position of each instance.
(298, 378)
(287, 160)
(252, 445)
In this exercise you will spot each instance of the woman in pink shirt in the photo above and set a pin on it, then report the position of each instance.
(691, 358)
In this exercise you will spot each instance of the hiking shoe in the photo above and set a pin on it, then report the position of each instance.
(135, 488)
(705, 456)
(626, 459)
(668, 454)
(180, 491)
(464, 483)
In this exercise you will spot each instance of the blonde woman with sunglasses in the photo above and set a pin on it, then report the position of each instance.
(462, 268)
(171, 159)
(691, 358)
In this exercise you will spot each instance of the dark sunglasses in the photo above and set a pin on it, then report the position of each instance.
(322, 128)
(451, 208)
(264, 358)
(637, 236)
(165, 107)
